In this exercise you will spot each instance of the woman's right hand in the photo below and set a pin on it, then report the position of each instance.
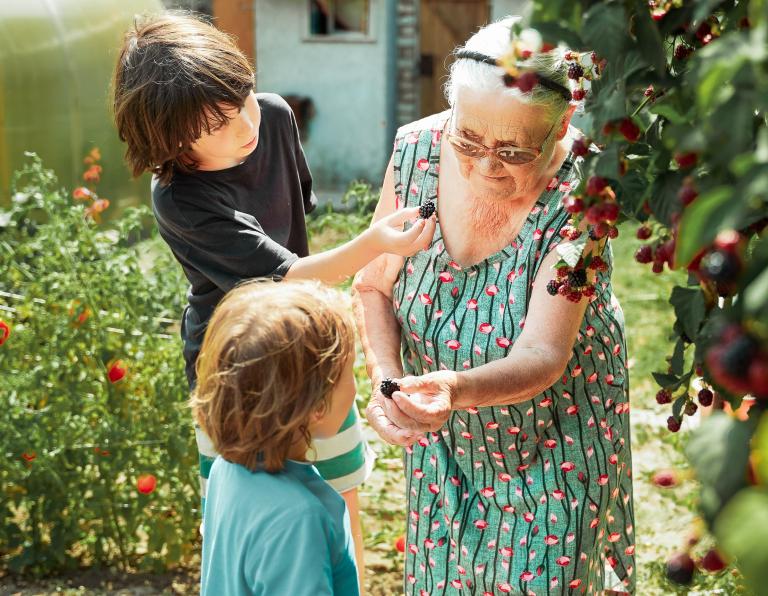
(387, 235)
(386, 418)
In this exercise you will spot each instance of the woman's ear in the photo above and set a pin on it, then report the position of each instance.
(566, 121)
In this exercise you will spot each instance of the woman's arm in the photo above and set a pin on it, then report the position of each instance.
(380, 331)
(386, 236)
(535, 361)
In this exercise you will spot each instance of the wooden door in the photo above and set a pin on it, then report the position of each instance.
(444, 25)
(236, 17)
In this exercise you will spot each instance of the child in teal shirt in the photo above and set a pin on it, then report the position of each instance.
(275, 372)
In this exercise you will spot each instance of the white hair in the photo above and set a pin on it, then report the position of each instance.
(494, 40)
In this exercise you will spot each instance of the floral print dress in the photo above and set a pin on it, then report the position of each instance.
(533, 498)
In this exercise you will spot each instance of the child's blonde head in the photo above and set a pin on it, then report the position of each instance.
(271, 357)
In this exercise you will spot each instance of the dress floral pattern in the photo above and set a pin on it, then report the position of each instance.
(533, 498)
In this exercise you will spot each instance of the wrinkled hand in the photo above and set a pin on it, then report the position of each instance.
(427, 400)
(388, 235)
(382, 413)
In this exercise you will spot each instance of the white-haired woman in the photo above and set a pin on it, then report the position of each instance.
(514, 408)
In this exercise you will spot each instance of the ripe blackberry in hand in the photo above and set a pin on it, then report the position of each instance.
(575, 71)
(388, 387)
(427, 209)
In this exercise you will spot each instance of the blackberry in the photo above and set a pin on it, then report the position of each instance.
(552, 287)
(738, 356)
(721, 266)
(427, 209)
(388, 387)
(690, 408)
(578, 94)
(682, 51)
(580, 147)
(577, 278)
(712, 561)
(706, 397)
(643, 233)
(663, 397)
(575, 71)
(673, 424)
(680, 568)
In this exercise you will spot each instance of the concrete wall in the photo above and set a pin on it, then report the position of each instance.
(349, 136)
(504, 8)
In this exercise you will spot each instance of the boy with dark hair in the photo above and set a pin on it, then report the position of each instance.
(230, 194)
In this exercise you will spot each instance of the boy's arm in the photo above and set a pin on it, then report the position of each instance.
(336, 264)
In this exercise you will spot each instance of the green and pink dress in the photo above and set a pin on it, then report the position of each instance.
(533, 498)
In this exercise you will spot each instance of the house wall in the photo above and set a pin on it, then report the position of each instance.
(349, 83)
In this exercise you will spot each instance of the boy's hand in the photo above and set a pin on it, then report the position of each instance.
(387, 234)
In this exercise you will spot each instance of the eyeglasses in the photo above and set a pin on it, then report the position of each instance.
(508, 154)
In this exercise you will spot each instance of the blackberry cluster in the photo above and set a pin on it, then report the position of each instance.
(577, 278)
(388, 387)
(575, 71)
(427, 209)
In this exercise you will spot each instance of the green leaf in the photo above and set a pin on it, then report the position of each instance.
(760, 449)
(678, 358)
(690, 309)
(677, 406)
(703, 9)
(633, 187)
(741, 529)
(554, 32)
(571, 251)
(663, 197)
(666, 380)
(649, 39)
(756, 292)
(701, 222)
(667, 111)
(607, 163)
(719, 450)
(605, 29)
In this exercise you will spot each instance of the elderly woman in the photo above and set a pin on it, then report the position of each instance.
(514, 407)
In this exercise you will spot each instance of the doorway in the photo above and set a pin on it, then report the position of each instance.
(444, 25)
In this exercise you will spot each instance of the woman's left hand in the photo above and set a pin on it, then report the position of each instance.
(428, 398)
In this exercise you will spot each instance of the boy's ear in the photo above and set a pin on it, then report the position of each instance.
(318, 414)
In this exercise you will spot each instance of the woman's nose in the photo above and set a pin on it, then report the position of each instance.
(488, 164)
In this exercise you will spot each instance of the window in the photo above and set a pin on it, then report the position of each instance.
(338, 18)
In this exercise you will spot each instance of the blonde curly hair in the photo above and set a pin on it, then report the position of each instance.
(271, 358)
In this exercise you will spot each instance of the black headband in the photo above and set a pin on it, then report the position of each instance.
(561, 90)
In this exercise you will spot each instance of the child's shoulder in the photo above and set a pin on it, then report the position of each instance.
(274, 105)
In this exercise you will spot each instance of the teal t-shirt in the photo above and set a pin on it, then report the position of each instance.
(268, 534)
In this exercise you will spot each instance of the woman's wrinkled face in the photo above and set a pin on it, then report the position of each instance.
(486, 118)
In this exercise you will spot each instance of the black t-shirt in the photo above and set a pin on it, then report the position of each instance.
(230, 225)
